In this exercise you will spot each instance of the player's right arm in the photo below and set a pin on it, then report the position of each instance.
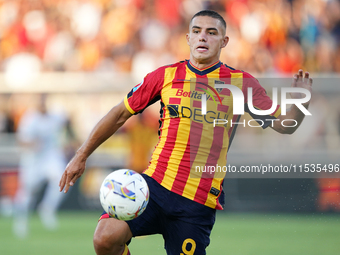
(105, 128)
(294, 114)
(140, 97)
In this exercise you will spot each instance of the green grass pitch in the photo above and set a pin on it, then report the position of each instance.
(234, 234)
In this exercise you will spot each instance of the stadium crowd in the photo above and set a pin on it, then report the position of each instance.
(136, 36)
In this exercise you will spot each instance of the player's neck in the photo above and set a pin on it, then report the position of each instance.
(200, 65)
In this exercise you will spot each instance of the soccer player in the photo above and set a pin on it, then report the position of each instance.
(40, 133)
(183, 201)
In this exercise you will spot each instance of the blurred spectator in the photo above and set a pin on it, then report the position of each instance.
(141, 145)
(60, 52)
(109, 35)
(329, 194)
(6, 120)
(86, 18)
(25, 63)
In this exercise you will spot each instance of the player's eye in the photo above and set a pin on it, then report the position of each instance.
(195, 31)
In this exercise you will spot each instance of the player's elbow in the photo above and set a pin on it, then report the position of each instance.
(286, 126)
(286, 130)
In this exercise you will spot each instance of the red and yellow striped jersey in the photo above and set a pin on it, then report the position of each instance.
(188, 139)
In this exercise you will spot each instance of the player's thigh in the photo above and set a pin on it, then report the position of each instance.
(110, 230)
(186, 238)
(149, 222)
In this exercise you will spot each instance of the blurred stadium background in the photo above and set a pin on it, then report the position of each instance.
(87, 54)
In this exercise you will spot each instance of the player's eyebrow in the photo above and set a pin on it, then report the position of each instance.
(209, 28)
(212, 28)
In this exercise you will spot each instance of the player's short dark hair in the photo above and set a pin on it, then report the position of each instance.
(212, 14)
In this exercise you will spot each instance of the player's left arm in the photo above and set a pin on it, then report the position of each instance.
(294, 113)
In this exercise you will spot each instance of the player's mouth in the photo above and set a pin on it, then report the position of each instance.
(202, 48)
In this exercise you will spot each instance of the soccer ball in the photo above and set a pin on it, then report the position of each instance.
(124, 194)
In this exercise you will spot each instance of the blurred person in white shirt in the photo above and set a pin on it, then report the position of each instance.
(42, 161)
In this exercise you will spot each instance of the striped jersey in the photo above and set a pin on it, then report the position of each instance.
(197, 124)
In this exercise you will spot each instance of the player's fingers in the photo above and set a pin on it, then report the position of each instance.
(70, 181)
(67, 186)
(62, 182)
(295, 79)
(300, 74)
(310, 81)
(67, 182)
(74, 179)
(306, 75)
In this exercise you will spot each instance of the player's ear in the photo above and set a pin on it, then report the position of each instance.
(225, 41)
(188, 38)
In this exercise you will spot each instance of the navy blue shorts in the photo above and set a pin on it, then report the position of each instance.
(185, 225)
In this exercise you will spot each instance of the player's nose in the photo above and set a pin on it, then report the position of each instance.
(202, 37)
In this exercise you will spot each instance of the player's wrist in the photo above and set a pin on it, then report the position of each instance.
(81, 154)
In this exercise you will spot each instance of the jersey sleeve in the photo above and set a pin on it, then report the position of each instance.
(145, 93)
(260, 101)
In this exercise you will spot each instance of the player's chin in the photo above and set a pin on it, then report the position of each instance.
(202, 57)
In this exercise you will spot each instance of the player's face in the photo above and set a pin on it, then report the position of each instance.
(206, 38)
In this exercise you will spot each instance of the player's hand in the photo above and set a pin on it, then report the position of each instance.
(301, 82)
(73, 171)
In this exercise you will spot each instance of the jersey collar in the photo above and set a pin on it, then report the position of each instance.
(206, 70)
